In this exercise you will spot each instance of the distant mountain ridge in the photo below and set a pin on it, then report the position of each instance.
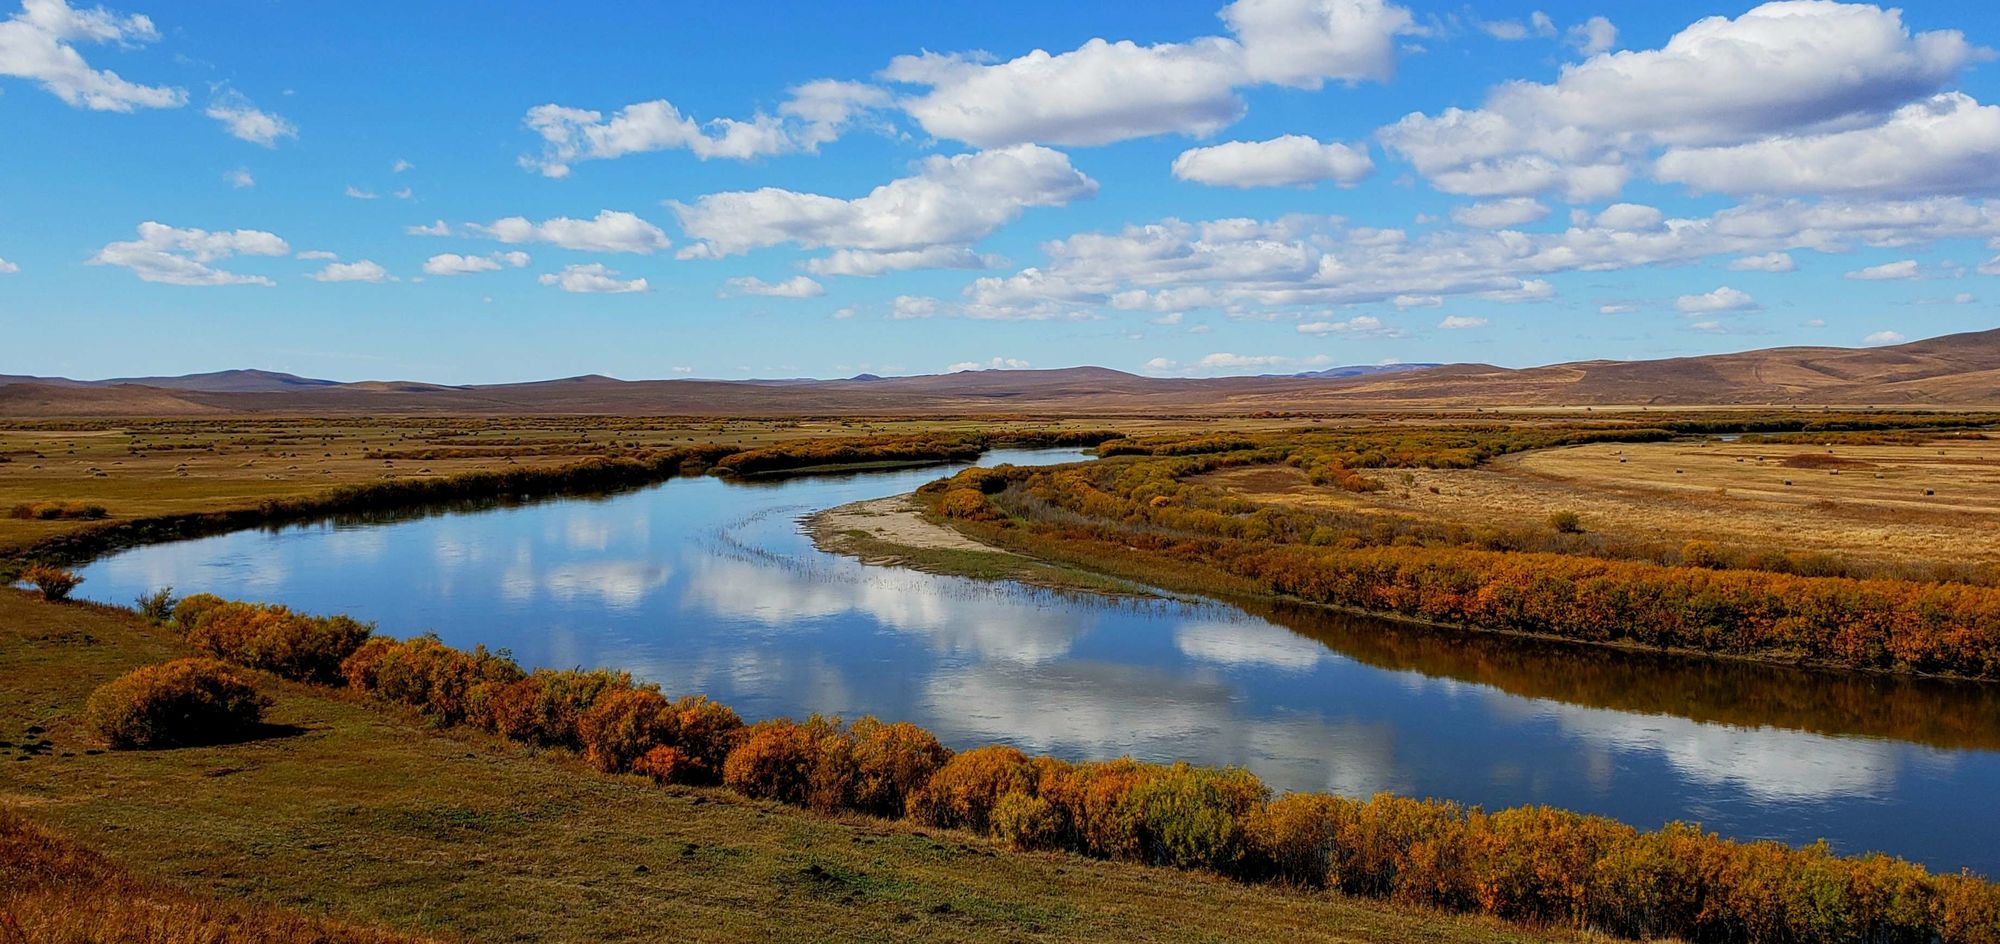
(1961, 370)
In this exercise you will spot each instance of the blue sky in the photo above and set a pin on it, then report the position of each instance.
(492, 193)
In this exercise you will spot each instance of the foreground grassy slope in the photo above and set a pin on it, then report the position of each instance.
(365, 815)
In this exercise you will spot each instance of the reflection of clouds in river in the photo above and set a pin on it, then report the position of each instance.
(1104, 710)
(592, 527)
(356, 544)
(1247, 642)
(616, 584)
(955, 615)
(1768, 763)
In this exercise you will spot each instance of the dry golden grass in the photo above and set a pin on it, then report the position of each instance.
(53, 891)
(1864, 502)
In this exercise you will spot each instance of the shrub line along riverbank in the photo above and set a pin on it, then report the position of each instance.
(1532, 864)
(1141, 518)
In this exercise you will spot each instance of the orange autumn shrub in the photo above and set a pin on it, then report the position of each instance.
(1091, 799)
(966, 503)
(427, 674)
(189, 609)
(271, 637)
(668, 765)
(705, 731)
(54, 583)
(893, 762)
(626, 723)
(186, 701)
(1536, 863)
(545, 707)
(808, 763)
(964, 791)
(1968, 909)
(360, 668)
(624, 726)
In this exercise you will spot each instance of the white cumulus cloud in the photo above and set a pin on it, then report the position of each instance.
(1105, 91)
(1497, 214)
(592, 279)
(1764, 262)
(176, 256)
(451, 263)
(39, 44)
(997, 363)
(609, 231)
(1887, 271)
(797, 286)
(1795, 67)
(1292, 160)
(815, 113)
(950, 201)
(247, 122)
(1721, 299)
(362, 271)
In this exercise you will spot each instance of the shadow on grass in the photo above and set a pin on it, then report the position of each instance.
(248, 734)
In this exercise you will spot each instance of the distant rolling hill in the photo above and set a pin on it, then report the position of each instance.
(1961, 370)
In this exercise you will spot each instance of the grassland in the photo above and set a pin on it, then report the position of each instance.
(364, 814)
(148, 469)
(1903, 506)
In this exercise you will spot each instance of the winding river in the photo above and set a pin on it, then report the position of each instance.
(708, 586)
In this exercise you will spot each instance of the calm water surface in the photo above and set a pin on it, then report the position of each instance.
(708, 586)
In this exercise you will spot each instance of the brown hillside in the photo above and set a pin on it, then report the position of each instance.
(1955, 371)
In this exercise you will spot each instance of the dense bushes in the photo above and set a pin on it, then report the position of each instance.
(423, 672)
(964, 791)
(53, 511)
(628, 726)
(870, 767)
(273, 638)
(544, 708)
(186, 701)
(1532, 864)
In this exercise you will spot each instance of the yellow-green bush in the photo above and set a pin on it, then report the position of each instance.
(1028, 822)
(1296, 836)
(186, 701)
(964, 791)
(1195, 817)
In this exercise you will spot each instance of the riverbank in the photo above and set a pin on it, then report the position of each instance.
(895, 532)
(72, 492)
(364, 813)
